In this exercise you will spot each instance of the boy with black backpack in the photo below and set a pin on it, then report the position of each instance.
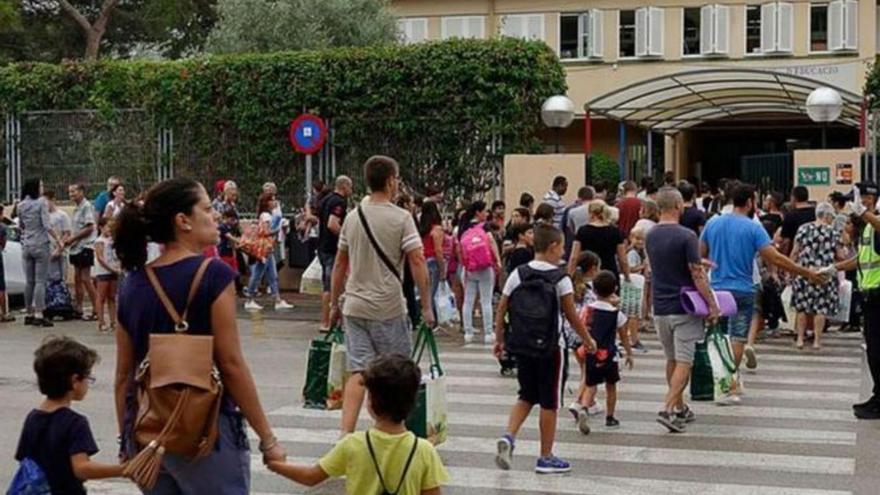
(535, 296)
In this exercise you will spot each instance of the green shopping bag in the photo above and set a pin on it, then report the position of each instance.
(725, 374)
(429, 418)
(315, 390)
(702, 381)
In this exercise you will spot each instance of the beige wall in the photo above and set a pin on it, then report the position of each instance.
(534, 174)
(590, 79)
(830, 160)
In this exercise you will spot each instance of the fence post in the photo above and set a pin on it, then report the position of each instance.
(13, 156)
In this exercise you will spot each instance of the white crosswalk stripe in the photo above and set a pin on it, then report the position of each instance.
(802, 446)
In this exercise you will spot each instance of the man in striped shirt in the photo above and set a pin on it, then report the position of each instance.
(554, 199)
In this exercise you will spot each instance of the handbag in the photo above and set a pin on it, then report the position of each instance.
(316, 390)
(412, 454)
(428, 419)
(179, 392)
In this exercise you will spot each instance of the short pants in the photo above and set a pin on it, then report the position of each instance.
(737, 326)
(327, 260)
(367, 339)
(83, 259)
(679, 335)
(540, 379)
(607, 371)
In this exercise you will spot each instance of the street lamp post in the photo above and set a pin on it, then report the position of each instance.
(557, 112)
(824, 105)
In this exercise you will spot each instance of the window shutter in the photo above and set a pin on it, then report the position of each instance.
(851, 26)
(721, 27)
(768, 27)
(595, 26)
(642, 32)
(835, 25)
(785, 30)
(475, 27)
(535, 27)
(511, 26)
(706, 30)
(452, 28)
(655, 32)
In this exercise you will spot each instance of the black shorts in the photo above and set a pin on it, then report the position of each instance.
(83, 259)
(601, 372)
(540, 379)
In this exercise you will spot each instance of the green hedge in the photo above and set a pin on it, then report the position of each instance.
(433, 105)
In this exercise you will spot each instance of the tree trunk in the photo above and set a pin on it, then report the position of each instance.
(93, 44)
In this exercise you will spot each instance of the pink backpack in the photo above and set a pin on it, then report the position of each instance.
(475, 249)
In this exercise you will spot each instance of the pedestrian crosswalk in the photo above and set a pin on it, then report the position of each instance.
(794, 432)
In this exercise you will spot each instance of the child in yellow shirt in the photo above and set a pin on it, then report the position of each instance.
(386, 458)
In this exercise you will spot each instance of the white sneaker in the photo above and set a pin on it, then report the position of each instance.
(282, 304)
(468, 338)
(595, 410)
(489, 339)
(252, 306)
(574, 409)
(729, 400)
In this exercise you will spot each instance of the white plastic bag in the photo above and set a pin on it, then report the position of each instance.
(444, 301)
(311, 281)
(844, 303)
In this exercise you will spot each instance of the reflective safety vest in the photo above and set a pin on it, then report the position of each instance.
(869, 261)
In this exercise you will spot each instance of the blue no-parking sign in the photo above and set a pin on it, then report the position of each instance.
(307, 134)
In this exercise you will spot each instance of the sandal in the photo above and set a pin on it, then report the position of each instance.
(7, 318)
(91, 317)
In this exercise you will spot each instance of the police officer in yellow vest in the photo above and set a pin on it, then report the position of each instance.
(867, 262)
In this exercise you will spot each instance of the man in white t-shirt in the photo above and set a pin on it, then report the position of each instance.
(375, 241)
(59, 221)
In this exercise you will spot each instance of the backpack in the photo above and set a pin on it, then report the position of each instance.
(476, 250)
(533, 309)
(29, 480)
(412, 454)
(179, 392)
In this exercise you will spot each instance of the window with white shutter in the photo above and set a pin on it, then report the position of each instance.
(462, 27)
(843, 25)
(693, 39)
(714, 29)
(825, 24)
(580, 35)
(777, 28)
(525, 26)
(626, 33)
(413, 30)
(649, 32)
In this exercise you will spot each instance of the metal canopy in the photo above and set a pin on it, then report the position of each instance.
(676, 102)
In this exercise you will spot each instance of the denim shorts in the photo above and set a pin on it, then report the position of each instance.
(737, 326)
(327, 260)
(366, 339)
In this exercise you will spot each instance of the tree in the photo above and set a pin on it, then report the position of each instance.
(92, 30)
(275, 25)
(166, 28)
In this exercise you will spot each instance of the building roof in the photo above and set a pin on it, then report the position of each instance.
(672, 103)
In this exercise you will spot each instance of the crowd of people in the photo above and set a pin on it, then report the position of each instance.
(549, 282)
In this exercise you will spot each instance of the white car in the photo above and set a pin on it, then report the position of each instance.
(12, 262)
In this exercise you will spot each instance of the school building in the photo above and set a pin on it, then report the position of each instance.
(708, 90)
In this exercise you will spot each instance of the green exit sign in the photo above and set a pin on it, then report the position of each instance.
(814, 176)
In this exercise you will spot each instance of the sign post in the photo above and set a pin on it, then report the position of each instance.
(307, 135)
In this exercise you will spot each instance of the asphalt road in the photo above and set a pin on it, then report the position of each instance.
(793, 434)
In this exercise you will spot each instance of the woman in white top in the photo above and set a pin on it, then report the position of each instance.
(106, 273)
(266, 266)
(114, 207)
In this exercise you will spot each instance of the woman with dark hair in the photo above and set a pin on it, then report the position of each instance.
(527, 201)
(114, 207)
(431, 231)
(479, 256)
(34, 220)
(544, 214)
(265, 265)
(178, 214)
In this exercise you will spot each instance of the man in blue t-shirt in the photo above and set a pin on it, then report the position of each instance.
(103, 197)
(731, 242)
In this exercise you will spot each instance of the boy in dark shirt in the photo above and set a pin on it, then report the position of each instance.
(605, 323)
(523, 236)
(55, 437)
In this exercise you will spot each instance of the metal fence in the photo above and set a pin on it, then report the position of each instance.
(81, 146)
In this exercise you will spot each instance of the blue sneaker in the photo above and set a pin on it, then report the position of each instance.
(504, 455)
(552, 465)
